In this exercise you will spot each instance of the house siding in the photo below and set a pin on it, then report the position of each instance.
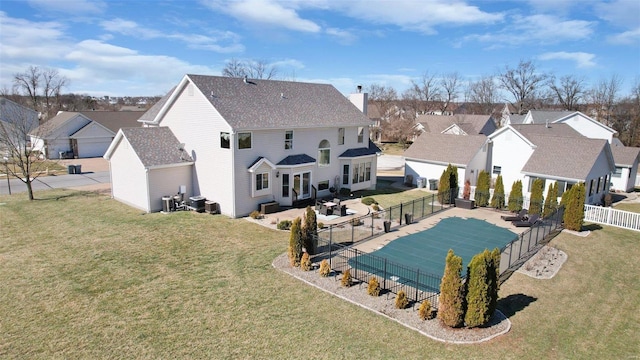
(587, 127)
(599, 170)
(511, 153)
(125, 166)
(167, 181)
(198, 125)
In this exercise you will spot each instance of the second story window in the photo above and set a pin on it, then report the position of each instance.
(288, 139)
(340, 136)
(360, 134)
(324, 153)
(225, 142)
(244, 140)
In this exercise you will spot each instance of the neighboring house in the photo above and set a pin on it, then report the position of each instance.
(141, 160)
(624, 175)
(582, 123)
(430, 154)
(81, 134)
(461, 124)
(552, 152)
(255, 141)
(16, 121)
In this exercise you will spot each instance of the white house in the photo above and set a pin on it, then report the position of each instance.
(553, 152)
(16, 121)
(580, 122)
(81, 134)
(150, 154)
(624, 175)
(258, 141)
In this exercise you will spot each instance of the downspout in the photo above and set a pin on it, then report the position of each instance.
(233, 173)
(146, 172)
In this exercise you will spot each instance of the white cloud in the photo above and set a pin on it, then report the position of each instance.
(69, 6)
(344, 36)
(194, 41)
(537, 28)
(582, 59)
(620, 13)
(23, 39)
(627, 37)
(265, 12)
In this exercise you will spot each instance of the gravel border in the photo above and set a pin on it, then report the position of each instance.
(385, 305)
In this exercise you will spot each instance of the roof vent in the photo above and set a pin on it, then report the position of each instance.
(282, 95)
(547, 124)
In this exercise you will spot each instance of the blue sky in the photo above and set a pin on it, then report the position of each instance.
(130, 48)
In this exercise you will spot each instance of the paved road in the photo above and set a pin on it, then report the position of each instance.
(56, 182)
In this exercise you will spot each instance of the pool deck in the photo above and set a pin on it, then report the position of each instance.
(490, 215)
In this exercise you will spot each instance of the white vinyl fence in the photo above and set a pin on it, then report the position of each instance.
(610, 216)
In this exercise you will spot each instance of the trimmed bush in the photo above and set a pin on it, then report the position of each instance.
(309, 230)
(347, 280)
(451, 300)
(494, 282)
(515, 197)
(401, 300)
(284, 225)
(536, 201)
(325, 269)
(448, 181)
(574, 207)
(425, 312)
(374, 287)
(375, 207)
(255, 214)
(320, 225)
(368, 201)
(497, 201)
(295, 242)
(477, 289)
(305, 262)
(551, 201)
(482, 189)
(345, 192)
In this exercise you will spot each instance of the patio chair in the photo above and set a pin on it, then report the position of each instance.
(521, 216)
(343, 210)
(337, 201)
(323, 210)
(527, 223)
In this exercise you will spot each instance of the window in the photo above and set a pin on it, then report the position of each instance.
(324, 153)
(262, 181)
(561, 186)
(617, 172)
(345, 174)
(340, 136)
(367, 172)
(285, 185)
(532, 179)
(224, 140)
(244, 140)
(323, 185)
(288, 139)
(591, 187)
(497, 170)
(360, 134)
(361, 172)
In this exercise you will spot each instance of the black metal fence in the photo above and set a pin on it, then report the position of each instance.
(336, 246)
(371, 225)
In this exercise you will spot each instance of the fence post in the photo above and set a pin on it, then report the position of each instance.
(330, 244)
(433, 199)
(353, 226)
(417, 283)
(355, 275)
(609, 213)
(384, 273)
(400, 221)
(372, 220)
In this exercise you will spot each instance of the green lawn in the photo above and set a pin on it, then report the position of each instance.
(83, 276)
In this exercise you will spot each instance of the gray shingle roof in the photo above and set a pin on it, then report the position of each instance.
(372, 149)
(516, 119)
(114, 120)
(153, 111)
(55, 122)
(11, 112)
(296, 160)
(155, 146)
(550, 130)
(541, 116)
(625, 156)
(271, 104)
(442, 148)
(471, 124)
(564, 157)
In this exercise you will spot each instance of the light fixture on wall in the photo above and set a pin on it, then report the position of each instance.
(277, 173)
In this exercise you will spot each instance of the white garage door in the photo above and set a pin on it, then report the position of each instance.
(92, 147)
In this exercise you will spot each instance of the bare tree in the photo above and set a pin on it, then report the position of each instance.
(424, 95)
(254, 69)
(484, 92)
(603, 96)
(42, 87)
(568, 91)
(16, 124)
(450, 86)
(523, 83)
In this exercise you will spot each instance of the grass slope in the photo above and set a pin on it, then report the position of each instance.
(83, 276)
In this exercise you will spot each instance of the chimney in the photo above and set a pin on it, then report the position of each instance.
(359, 99)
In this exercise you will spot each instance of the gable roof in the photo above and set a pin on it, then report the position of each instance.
(272, 104)
(542, 116)
(154, 146)
(56, 122)
(153, 111)
(16, 114)
(471, 124)
(516, 119)
(298, 159)
(625, 156)
(565, 157)
(571, 115)
(114, 120)
(445, 149)
(546, 130)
